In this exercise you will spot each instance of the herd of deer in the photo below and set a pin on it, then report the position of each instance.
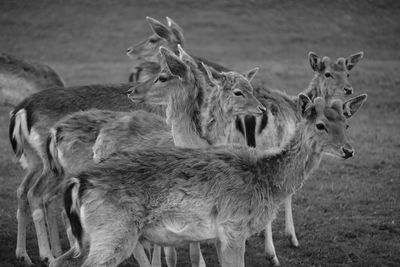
(192, 154)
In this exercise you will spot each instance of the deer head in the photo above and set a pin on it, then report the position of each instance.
(168, 37)
(325, 124)
(333, 75)
(234, 92)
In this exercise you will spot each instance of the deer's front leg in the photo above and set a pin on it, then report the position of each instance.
(269, 246)
(289, 225)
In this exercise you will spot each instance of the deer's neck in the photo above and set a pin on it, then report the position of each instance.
(286, 170)
(184, 117)
(218, 124)
(315, 86)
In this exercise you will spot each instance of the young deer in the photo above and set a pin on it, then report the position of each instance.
(171, 196)
(147, 50)
(20, 78)
(184, 83)
(29, 126)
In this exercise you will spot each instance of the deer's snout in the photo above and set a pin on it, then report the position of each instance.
(130, 51)
(348, 152)
(348, 90)
(262, 108)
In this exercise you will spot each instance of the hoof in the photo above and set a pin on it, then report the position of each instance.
(293, 242)
(23, 256)
(273, 261)
(47, 260)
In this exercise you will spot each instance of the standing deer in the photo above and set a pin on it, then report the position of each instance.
(29, 125)
(184, 84)
(20, 78)
(171, 196)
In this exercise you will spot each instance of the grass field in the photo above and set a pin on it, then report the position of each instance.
(348, 213)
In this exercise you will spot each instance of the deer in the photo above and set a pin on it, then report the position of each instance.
(184, 84)
(30, 122)
(146, 51)
(20, 78)
(171, 196)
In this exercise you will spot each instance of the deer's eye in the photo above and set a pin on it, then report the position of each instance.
(152, 40)
(328, 75)
(238, 92)
(161, 78)
(321, 126)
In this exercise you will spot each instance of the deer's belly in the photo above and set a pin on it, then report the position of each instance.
(174, 232)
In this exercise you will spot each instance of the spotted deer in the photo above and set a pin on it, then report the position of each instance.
(175, 195)
(183, 84)
(20, 78)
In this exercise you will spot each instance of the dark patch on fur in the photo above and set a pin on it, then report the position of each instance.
(239, 125)
(76, 226)
(50, 159)
(11, 131)
(131, 77)
(250, 124)
(264, 122)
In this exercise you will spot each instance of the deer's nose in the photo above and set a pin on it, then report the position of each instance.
(348, 90)
(131, 91)
(348, 152)
(129, 51)
(262, 108)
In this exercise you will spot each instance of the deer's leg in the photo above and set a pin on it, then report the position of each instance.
(170, 256)
(140, 256)
(68, 259)
(38, 215)
(111, 244)
(196, 258)
(156, 256)
(22, 215)
(269, 246)
(51, 216)
(289, 225)
(233, 255)
(67, 225)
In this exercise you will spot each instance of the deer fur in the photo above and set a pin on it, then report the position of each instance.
(183, 115)
(20, 78)
(224, 194)
(29, 126)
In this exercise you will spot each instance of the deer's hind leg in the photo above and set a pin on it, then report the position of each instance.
(109, 247)
(113, 233)
(33, 171)
(233, 255)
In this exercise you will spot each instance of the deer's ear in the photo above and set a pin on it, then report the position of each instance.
(304, 103)
(159, 28)
(352, 60)
(176, 30)
(251, 74)
(315, 61)
(175, 65)
(185, 56)
(211, 74)
(351, 106)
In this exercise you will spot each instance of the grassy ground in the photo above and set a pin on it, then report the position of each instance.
(348, 213)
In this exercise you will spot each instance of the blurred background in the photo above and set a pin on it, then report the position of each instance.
(348, 213)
